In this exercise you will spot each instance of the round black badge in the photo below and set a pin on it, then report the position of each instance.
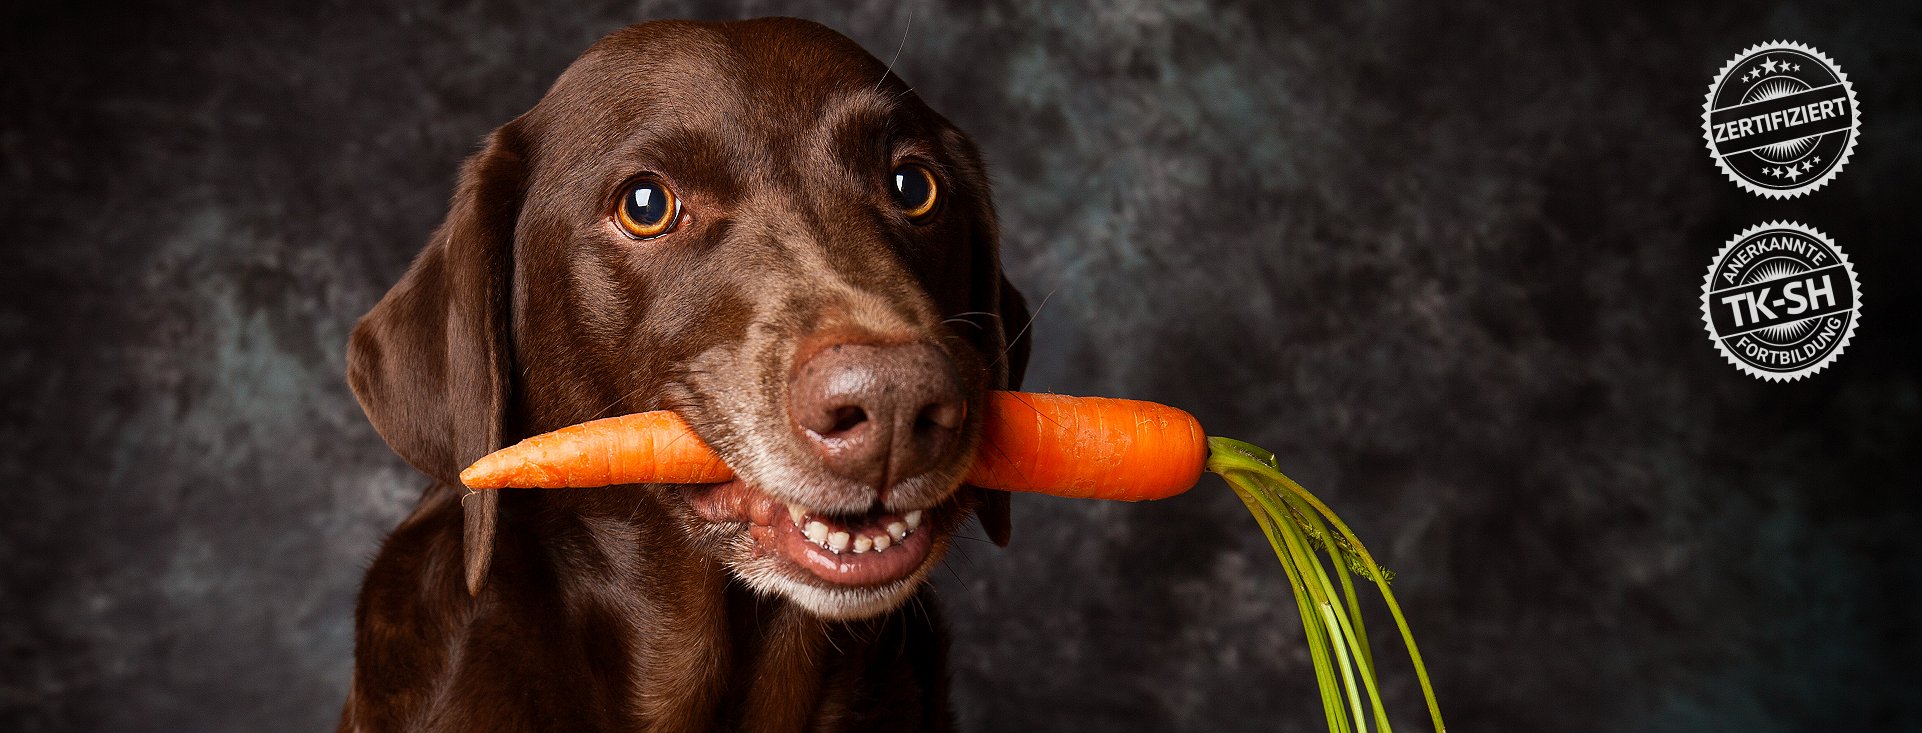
(1781, 301)
(1781, 119)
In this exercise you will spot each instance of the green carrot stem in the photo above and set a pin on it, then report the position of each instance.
(1228, 456)
(1381, 581)
(1316, 578)
(1310, 623)
(1355, 639)
(1347, 668)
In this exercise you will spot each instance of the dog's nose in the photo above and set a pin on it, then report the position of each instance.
(879, 414)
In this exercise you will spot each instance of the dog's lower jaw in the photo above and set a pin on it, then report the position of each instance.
(759, 541)
(765, 576)
(771, 574)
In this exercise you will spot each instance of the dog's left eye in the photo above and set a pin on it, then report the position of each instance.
(648, 209)
(915, 189)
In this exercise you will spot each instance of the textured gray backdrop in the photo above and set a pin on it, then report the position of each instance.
(1442, 257)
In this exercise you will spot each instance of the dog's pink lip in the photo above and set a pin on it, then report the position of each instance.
(774, 532)
(846, 567)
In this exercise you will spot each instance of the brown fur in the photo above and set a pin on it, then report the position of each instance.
(620, 608)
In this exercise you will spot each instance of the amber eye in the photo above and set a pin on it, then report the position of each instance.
(914, 188)
(647, 209)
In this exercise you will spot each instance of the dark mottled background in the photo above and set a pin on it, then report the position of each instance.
(1444, 258)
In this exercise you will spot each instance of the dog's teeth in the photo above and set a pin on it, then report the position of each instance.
(881, 542)
(838, 542)
(914, 519)
(862, 544)
(897, 530)
(794, 514)
(817, 533)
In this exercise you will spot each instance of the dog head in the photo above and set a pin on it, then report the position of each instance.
(753, 224)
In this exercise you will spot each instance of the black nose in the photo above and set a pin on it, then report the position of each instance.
(878, 414)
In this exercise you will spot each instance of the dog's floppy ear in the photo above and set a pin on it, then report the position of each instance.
(429, 363)
(995, 512)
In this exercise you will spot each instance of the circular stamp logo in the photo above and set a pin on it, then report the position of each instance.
(1781, 119)
(1781, 301)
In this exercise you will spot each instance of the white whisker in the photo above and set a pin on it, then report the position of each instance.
(897, 51)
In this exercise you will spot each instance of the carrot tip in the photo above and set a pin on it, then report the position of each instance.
(478, 477)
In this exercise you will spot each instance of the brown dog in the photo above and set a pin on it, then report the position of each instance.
(756, 225)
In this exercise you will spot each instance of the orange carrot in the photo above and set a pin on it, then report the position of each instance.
(1082, 447)
(1088, 447)
(643, 448)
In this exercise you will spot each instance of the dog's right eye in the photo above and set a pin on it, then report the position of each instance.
(648, 209)
(915, 191)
